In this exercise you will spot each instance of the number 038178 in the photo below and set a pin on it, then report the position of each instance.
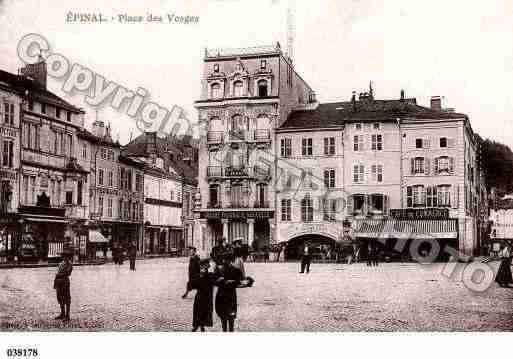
(21, 352)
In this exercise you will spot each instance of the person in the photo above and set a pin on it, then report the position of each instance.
(61, 284)
(238, 262)
(228, 278)
(306, 258)
(203, 307)
(132, 254)
(369, 254)
(194, 270)
(375, 253)
(504, 277)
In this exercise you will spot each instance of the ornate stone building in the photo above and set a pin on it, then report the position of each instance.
(245, 95)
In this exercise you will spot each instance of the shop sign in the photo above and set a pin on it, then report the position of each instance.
(238, 215)
(420, 213)
(315, 228)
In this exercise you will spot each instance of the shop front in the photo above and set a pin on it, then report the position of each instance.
(9, 237)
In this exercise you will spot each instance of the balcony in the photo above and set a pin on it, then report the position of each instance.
(237, 135)
(238, 204)
(215, 137)
(236, 171)
(263, 135)
(214, 171)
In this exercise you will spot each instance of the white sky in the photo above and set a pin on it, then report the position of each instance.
(462, 50)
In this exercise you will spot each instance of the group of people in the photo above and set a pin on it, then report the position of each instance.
(227, 275)
(118, 255)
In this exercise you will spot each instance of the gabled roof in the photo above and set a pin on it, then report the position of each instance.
(37, 92)
(336, 114)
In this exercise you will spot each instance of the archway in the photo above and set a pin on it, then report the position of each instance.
(321, 247)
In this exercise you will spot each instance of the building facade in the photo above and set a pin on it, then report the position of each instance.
(370, 169)
(245, 95)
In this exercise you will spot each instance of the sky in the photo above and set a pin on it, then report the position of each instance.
(460, 50)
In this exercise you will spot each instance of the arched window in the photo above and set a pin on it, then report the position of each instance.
(237, 89)
(216, 90)
(262, 88)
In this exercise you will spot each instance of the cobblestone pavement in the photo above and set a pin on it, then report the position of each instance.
(332, 297)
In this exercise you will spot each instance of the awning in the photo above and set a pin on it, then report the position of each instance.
(408, 229)
(45, 220)
(97, 237)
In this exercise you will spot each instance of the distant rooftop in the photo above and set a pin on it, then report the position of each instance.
(243, 51)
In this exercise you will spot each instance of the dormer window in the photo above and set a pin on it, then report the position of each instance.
(57, 112)
(262, 88)
(263, 64)
(216, 90)
(68, 116)
(237, 89)
(43, 108)
(216, 68)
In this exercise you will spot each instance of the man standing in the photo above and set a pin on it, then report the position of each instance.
(61, 284)
(194, 270)
(132, 253)
(306, 258)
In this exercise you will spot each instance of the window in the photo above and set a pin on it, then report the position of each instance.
(329, 207)
(111, 179)
(262, 88)
(431, 196)
(376, 126)
(286, 147)
(69, 142)
(68, 116)
(329, 146)
(214, 196)
(261, 195)
(31, 136)
(263, 64)
(444, 196)
(43, 108)
(377, 203)
(31, 105)
(307, 146)
(100, 206)
(418, 165)
(172, 195)
(8, 113)
(329, 178)
(377, 173)
(138, 182)
(69, 197)
(306, 209)
(103, 153)
(216, 90)
(377, 142)
(8, 153)
(358, 143)
(358, 126)
(80, 187)
(109, 207)
(358, 203)
(443, 142)
(216, 67)
(59, 193)
(286, 209)
(84, 150)
(237, 89)
(100, 176)
(444, 164)
(237, 196)
(415, 196)
(358, 173)
(418, 143)
(57, 112)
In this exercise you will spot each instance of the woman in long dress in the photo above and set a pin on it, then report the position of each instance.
(504, 277)
(204, 300)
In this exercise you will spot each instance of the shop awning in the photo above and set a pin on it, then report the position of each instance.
(409, 229)
(45, 220)
(97, 237)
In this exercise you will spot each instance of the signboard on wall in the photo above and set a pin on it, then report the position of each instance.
(420, 213)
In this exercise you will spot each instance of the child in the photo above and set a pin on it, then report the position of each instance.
(203, 301)
(61, 284)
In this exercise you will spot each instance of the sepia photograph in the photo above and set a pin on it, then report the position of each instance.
(242, 166)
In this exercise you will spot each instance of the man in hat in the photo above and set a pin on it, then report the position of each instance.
(61, 284)
(194, 270)
(132, 253)
(306, 257)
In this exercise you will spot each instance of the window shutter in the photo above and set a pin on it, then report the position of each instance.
(374, 174)
(385, 204)
(451, 142)
(412, 161)
(455, 196)
(451, 164)
(427, 166)
(436, 165)
(350, 205)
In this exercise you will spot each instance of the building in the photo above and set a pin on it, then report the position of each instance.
(51, 200)
(245, 95)
(501, 223)
(169, 186)
(369, 169)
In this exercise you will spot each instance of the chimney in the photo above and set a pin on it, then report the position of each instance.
(436, 103)
(402, 94)
(36, 71)
(99, 128)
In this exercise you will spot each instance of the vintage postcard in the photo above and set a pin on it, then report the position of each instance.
(271, 166)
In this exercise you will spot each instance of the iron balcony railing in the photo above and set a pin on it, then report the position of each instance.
(215, 137)
(263, 135)
(236, 171)
(214, 171)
